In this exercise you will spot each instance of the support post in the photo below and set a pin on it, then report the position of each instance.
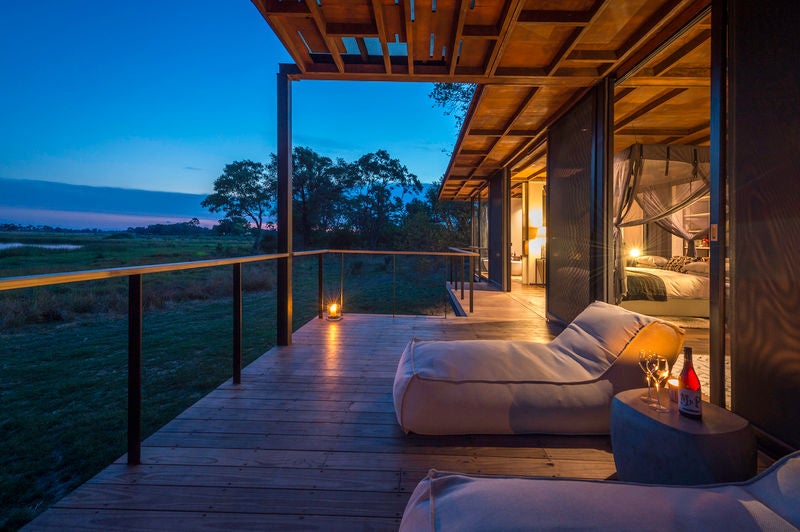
(461, 273)
(237, 323)
(284, 292)
(471, 283)
(719, 200)
(320, 284)
(134, 369)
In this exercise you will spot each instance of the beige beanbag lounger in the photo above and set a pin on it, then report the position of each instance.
(513, 387)
(451, 501)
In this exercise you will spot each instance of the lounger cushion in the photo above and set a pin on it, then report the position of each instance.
(451, 501)
(507, 387)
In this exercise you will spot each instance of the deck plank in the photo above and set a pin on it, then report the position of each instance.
(309, 440)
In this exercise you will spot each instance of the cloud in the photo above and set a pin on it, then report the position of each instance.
(193, 168)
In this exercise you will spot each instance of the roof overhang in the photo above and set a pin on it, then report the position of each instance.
(532, 60)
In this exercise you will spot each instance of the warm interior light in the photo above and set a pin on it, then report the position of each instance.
(334, 311)
(635, 252)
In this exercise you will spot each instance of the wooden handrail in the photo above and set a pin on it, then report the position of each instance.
(47, 279)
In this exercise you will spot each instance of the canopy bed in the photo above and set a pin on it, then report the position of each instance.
(657, 186)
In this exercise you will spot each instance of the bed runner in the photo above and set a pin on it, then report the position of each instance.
(644, 286)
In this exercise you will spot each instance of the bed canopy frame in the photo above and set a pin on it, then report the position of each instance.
(663, 180)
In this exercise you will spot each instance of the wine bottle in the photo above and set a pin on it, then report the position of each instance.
(689, 401)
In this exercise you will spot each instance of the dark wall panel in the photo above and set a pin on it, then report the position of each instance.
(764, 175)
(569, 225)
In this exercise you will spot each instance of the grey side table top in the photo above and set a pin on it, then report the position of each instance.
(715, 420)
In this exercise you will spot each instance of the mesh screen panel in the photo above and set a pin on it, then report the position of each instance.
(569, 158)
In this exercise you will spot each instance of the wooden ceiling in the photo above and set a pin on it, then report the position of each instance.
(532, 60)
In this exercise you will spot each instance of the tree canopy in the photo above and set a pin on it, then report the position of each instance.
(376, 204)
(244, 190)
(373, 202)
(454, 98)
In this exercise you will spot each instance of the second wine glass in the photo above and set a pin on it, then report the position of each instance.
(659, 369)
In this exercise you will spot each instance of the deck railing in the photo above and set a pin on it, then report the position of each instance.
(135, 307)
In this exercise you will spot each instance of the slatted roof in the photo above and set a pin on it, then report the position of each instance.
(532, 60)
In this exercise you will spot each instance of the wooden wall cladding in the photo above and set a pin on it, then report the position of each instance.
(764, 167)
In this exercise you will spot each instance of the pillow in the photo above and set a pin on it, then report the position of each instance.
(651, 261)
(700, 268)
(677, 263)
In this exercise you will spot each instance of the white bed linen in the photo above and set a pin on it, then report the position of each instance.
(679, 285)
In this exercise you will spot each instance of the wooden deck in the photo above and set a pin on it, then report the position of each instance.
(310, 440)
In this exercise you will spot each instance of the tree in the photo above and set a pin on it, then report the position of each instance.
(454, 98)
(376, 207)
(318, 188)
(245, 189)
(431, 224)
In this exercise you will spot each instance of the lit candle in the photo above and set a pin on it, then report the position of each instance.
(673, 385)
(334, 311)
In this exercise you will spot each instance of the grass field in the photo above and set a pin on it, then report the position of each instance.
(63, 349)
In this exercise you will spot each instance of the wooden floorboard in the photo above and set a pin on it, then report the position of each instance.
(309, 440)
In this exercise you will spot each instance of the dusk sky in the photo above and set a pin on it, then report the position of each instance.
(161, 94)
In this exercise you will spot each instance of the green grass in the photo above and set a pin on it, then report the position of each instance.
(63, 349)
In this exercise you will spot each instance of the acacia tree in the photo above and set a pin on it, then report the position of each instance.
(318, 188)
(431, 224)
(244, 190)
(377, 207)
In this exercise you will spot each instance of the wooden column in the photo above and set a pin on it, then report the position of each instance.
(284, 308)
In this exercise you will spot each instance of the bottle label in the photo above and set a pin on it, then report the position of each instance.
(689, 402)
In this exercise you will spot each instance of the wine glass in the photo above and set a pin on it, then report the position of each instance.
(644, 357)
(659, 369)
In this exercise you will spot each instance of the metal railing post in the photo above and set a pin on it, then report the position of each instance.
(134, 369)
(320, 283)
(341, 286)
(394, 283)
(471, 282)
(237, 323)
(461, 271)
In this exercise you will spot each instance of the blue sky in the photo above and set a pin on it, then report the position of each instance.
(161, 94)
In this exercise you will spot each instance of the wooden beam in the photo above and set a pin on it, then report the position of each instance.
(654, 131)
(649, 106)
(555, 18)
(474, 31)
(656, 32)
(434, 73)
(594, 56)
(409, 30)
(510, 14)
(362, 48)
(572, 40)
(274, 7)
(666, 81)
(319, 21)
(289, 41)
(457, 31)
(380, 23)
(350, 29)
(698, 40)
(621, 93)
